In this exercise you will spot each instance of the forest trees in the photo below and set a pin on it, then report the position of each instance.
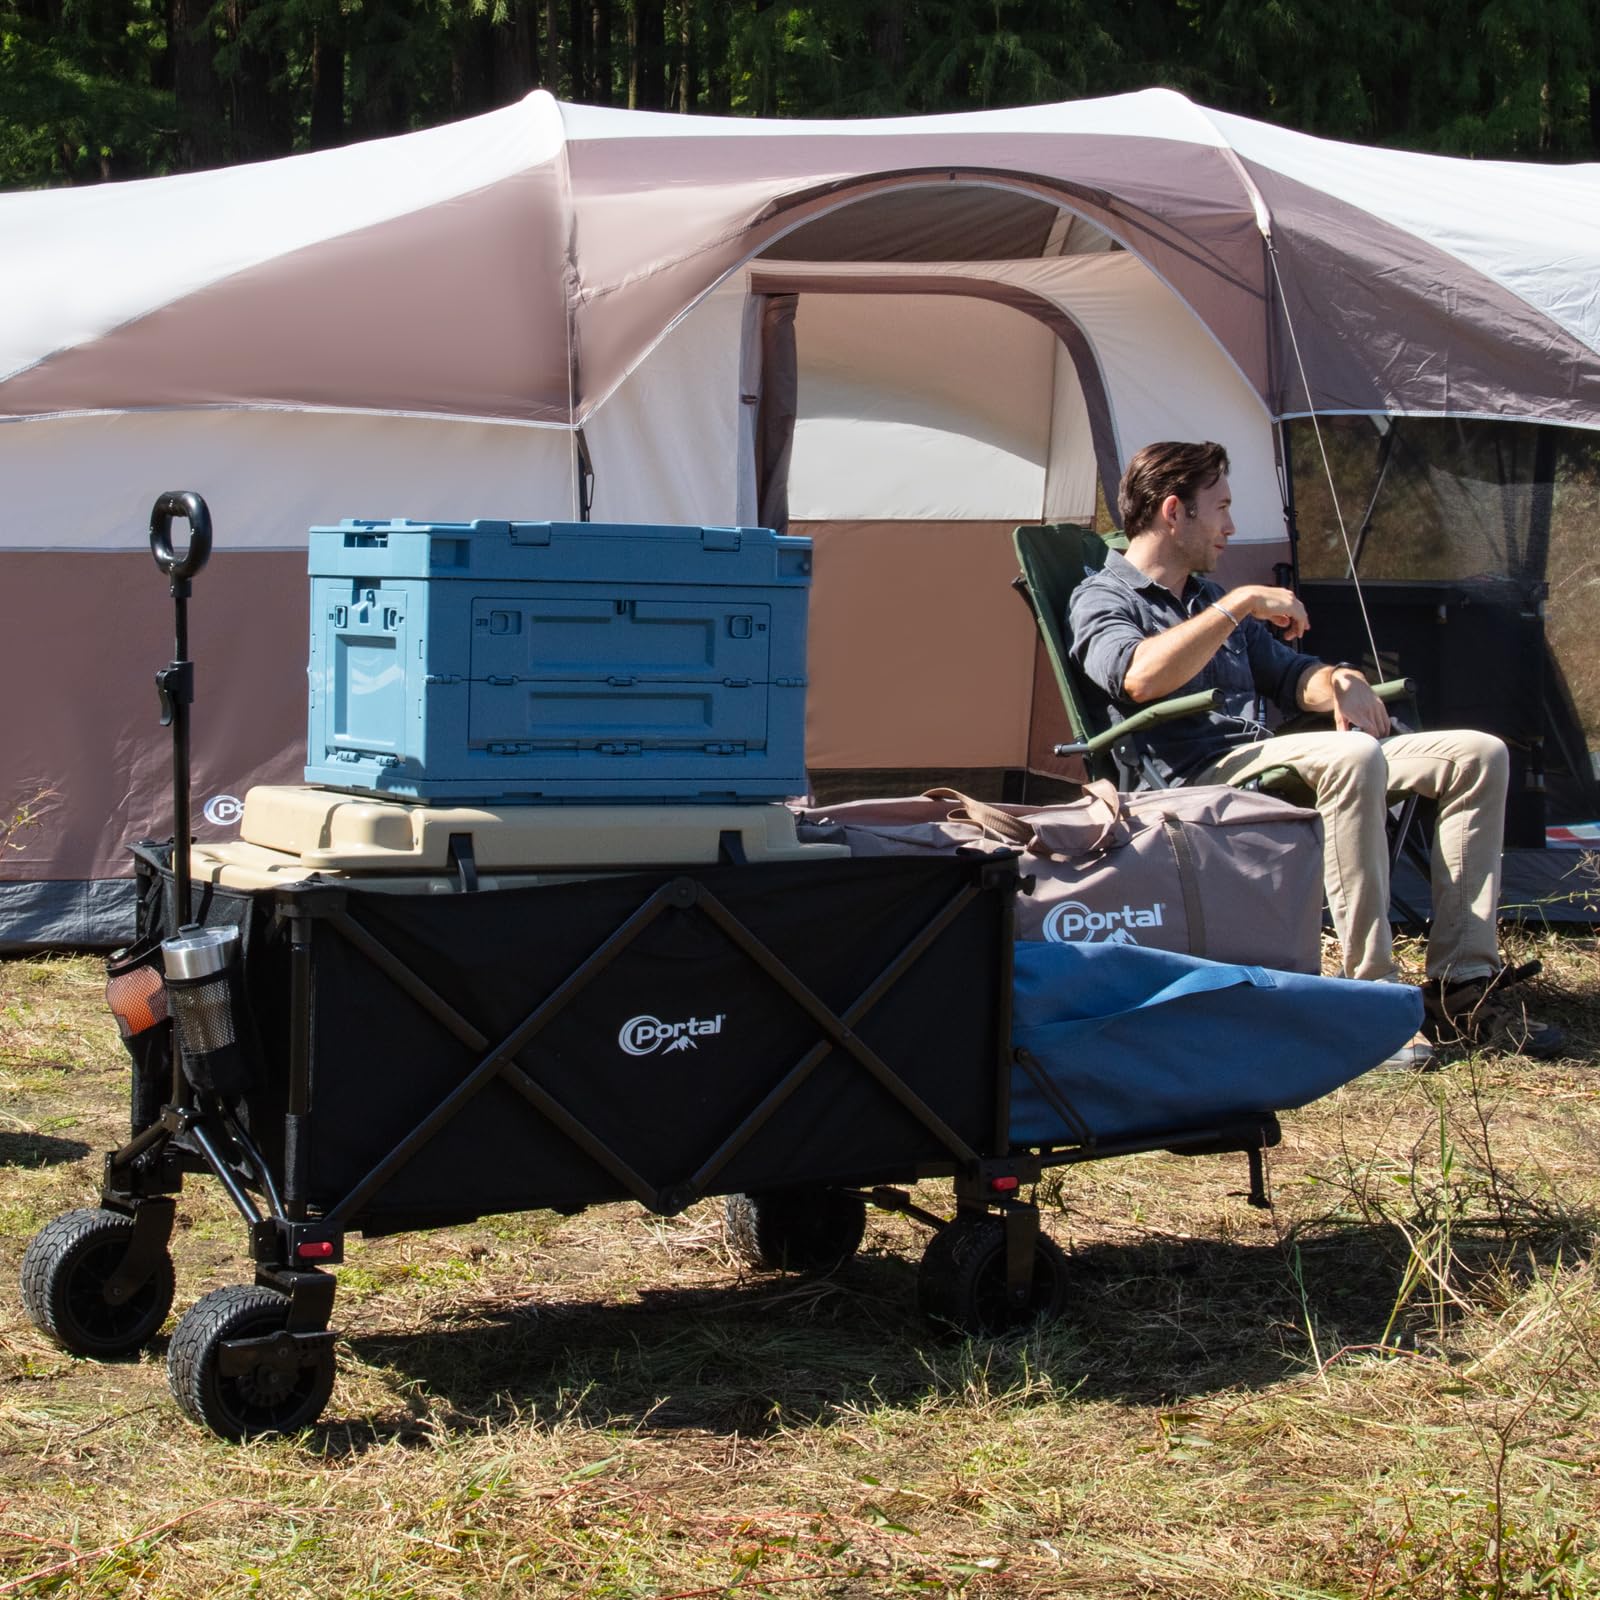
(91, 89)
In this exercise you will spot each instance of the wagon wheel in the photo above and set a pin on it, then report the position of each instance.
(279, 1394)
(795, 1230)
(65, 1272)
(962, 1279)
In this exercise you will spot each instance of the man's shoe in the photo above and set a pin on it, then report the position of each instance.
(1479, 1014)
(1415, 1055)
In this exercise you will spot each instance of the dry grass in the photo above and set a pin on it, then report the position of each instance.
(1385, 1387)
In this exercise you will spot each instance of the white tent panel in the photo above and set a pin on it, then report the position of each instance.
(267, 476)
(1462, 207)
(1148, 113)
(174, 235)
(906, 414)
(1165, 376)
(1069, 493)
(665, 445)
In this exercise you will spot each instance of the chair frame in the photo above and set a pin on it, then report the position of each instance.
(1113, 750)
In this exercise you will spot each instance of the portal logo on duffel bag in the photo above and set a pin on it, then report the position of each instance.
(1072, 922)
(643, 1036)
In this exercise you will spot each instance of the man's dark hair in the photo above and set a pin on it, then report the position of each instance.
(1158, 470)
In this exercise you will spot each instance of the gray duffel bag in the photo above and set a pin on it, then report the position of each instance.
(1222, 873)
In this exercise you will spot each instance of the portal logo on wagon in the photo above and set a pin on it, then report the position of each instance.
(223, 810)
(1072, 922)
(643, 1036)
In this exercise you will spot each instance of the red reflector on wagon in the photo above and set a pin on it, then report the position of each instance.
(314, 1250)
(1004, 1185)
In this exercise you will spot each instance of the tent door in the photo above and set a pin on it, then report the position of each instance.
(777, 402)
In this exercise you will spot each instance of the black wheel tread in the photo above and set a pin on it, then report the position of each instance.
(961, 1280)
(65, 1263)
(239, 1311)
(796, 1230)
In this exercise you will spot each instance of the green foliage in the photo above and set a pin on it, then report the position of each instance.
(77, 101)
(112, 88)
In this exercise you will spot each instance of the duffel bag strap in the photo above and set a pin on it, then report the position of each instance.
(994, 822)
(998, 823)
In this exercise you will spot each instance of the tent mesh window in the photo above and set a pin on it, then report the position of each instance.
(1473, 544)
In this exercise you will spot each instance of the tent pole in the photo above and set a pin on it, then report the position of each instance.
(1282, 445)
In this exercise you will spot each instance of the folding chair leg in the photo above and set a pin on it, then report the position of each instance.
(1402, 826)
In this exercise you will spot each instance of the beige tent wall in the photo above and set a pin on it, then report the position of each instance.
(920, 408)
(667, 444)
(88, 734)
(923, 436)
(78, 570)
(921, 655)
(1070, 477)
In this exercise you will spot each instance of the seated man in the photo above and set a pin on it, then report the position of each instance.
(1148, 626)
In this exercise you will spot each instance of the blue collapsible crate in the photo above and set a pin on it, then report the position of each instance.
(557, 661)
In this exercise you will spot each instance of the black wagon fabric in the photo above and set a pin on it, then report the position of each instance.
(667, 1051)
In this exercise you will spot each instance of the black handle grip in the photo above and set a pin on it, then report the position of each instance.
(180, 503)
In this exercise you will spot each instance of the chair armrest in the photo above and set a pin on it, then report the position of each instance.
(1184, 705)
(1318, 721)
(1395, 689)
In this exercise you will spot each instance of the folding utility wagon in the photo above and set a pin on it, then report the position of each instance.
(798, 1036)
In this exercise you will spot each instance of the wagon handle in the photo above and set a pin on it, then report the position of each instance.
(180, 503)
(175, 682)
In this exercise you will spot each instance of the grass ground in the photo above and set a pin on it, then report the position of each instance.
(1389, 1385)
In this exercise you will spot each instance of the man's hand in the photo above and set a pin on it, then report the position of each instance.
(1280, 607)
(1356, 706)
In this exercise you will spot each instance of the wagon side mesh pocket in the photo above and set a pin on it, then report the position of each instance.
(137, 996)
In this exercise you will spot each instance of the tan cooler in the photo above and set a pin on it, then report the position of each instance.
(290, 833)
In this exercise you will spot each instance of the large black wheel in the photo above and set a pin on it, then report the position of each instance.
(797, 1230)
(962, 1280)
(65, 1271)
(281, 1394)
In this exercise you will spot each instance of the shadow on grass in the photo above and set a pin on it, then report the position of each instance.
(1148, 1323)
(39, 1150)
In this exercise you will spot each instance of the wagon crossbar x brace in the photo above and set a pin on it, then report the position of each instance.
(497, 1060)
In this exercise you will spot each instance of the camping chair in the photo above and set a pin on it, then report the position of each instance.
(1055, 558)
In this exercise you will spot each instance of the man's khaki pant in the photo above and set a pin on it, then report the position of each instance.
(1352, 775)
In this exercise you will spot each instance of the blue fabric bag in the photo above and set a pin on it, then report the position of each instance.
(1141, 1041)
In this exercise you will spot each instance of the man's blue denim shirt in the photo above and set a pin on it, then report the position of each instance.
(1115, 608)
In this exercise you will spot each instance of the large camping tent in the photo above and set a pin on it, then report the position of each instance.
(900, 336)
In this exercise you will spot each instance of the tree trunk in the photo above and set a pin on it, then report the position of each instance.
(647, 42)
(327, 89)
(552, 46)
(580, 88)
(516, 53)
(194, 84)
(472, 64)
(719, 93)
(259, 123)
(246, 91)
(687, 65)
(889, 39)
(600, 37)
